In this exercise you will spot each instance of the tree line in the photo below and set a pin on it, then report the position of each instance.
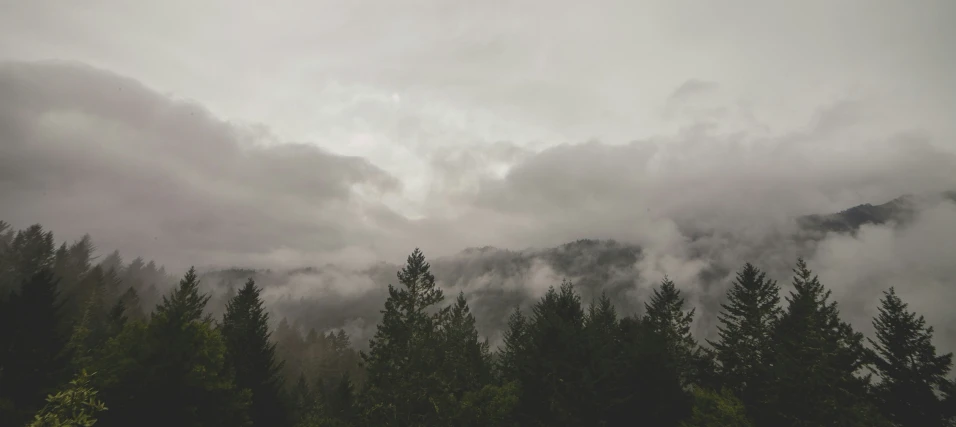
(79, 346)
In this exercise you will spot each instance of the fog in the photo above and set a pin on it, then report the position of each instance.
(694, 143)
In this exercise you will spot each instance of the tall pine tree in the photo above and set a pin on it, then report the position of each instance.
(402, 355)
(912, 376)
(466, 361)
(515, 340)
(745, 342)
(173, 368)
(815, 361)
(252, 356)
(666, 315)
(34, 360)
(552, 371)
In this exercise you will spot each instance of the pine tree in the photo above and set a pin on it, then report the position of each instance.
(185, 304)
(466, 359)
(301, 399)
(34, 360)
(552, 370)
(339, 403)
(173, 368)
(912, 376)
(401, 360)
(290, 348)
(666, 316)
(656, 394)
(113, 262)
(31, 251)
(133, 274)
(745, 343)
(815, 361)
(249, 352)
(90, 332)
(132, 307)
(515, 342)
(7, 283)
(604, 363)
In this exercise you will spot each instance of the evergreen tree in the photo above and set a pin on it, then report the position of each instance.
(116, 319)
(665, 315)
(401, 360)
(912, 376)
(33, 360)
(339, 403)
(90, 332)
(816, 357)
(301, 398)
(745, 343)
(466, 362)
(551, 372)
(71, 265)
(516, 344)
(31, 251)
(7, 283)
(656, 394)
(173, 368)
(112, 262)
(132, 308)
(290, 348)
(249, 352)
(604, 364)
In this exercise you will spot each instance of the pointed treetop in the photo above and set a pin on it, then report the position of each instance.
(185, 303)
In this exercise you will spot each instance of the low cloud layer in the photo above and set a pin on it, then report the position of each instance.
(83, 150)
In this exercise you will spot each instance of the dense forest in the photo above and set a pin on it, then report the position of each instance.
(87, 341)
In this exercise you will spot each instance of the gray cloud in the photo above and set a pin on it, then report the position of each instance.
(88, 151)
(448, 125)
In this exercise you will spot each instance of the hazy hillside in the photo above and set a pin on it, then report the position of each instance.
(495, 280)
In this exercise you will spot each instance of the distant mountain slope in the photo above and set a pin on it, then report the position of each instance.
(899, 210)
(496, 280)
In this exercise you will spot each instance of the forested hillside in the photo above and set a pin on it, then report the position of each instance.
(495, 280)
(87, 340)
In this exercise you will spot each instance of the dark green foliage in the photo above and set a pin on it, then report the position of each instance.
(745, 343)
(403, 354)
(252, 357)
(173, 368)
(75, 406)
(550, 369)
(31, 251)
(466, 363)
(712, 409)
(301, 400)
(33, 358)
(561, 365)
(131, 305)
(656, 393)
(912, 376)
(491, 406)
(516, 342)
(815, 361)
(340, 402)
(603, 339)
(666, 316)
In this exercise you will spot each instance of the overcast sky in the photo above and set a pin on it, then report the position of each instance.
(290, 133)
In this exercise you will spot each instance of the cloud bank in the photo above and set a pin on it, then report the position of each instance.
(84, 150)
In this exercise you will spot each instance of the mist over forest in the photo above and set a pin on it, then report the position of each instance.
(528, 213)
